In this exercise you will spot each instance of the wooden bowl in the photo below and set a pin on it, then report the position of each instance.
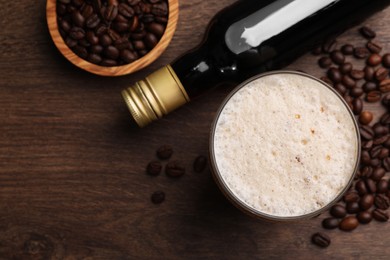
(51, 16)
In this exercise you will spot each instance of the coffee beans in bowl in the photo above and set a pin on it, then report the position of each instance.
(112, 37)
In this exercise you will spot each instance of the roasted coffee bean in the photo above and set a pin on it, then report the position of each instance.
(385, 118)
(365, 158)
(356, 92)
(387, 143)
(134, 23)
(369, 73)
(84, 43)
(351, 196)
(384, 86)
(105, 40)
(78, 2)
(80, 51)
(338, 211)
(352, 207)
(96, 49)
(349, 223)
(373, 96)
(174, 169)
(340, 88)
(348, 99)
(111, 52)
(126, 10)
(337, 57)
(361, 188)
(164, 152)
(154, 168)
(365, 117)
(329, 45)
(347, 49)
(77, 33)
(367, 32)
(65, 1)
(375, 151)
(61, 9)
(366, 132)
(380, 130)
(357, 106)
(382, 201)
(121, 19)
(160, 9)
(366, 201)
(78, 19)
(109, 62)
(321, 239)
(128, 56)
(371, 185)
(369, 86)
(138, 36)
(386, 101)
(70, 42)
(378, 174)
(382, 186)
(374, 47)
(110, 12)
(65, 25)
(150, 40)
(330, 223)
(348, 82)
(380, 140)
(375, 162)
(366, 172)
(92, 38)
(86, 11)
(324, 62)
(361, 52)
(345, 68)
(133, 2)
(381, 74)
(357, 74)
(374, 59)
(386, 60)
(158, 197)
(121, 26)
(380, 215)
(364, 217)
(334, 75)
(139, 45)
(200, 163)
(367, 145)
(148, 18)
(327, 80)
(94, 58)
(156, 28)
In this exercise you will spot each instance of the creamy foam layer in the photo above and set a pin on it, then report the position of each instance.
(285, 145)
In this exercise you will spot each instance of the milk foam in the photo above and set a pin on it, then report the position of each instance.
(285, 145)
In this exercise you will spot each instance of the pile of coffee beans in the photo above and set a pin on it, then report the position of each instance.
(173, 169)
(369, 196)
(111, 32)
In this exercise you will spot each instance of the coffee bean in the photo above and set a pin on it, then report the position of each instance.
(387, 143)
(347, 49)
(378, 174)
(154, 168)
(348, 99)
(164, 152)
(348, 82)
(361, 188)
(105, 40)
(337, 57)
(330, 223)
(334, 75)
(158, 197)
(324, 62)
(139, 45)
(87, 11)
(321, 239)
(365, 158)
(340, 88)
(380, 140)
(109, 63)
(94, 58)
(375, 162)
(357, 106)
(366, 132)
(65, 25)
(329, 45)
(126, 10)
(156, 28)
(382, 186)
(200, 163)
(174, 169)
(77, 33)
(370, 185)
(380, 130)
(110, 12)
(381, 74)
(367, 32)
(345, 68)
(351, 196)
(366, 172)
(361, 52)
(369, 86)
(380, 215)
(357, 74)
(386, 60)
(373, 96)
(326, 80)
(382, 201)
(70, 42)
(366, 201)
(96, 49)
(366, 145)
(128, 56)
(121, 26)
(349, 223)
(134, 24)
(364, 217)
(375, 151)
(384, 86)
(160, 9)
(92, 38)
(374, 47)
(356, 92)
(369, 73)
(352, 207)
(78, 19)
(150, 40)
(374, 59)
(366, 117)
(338, 211)
(386, 101)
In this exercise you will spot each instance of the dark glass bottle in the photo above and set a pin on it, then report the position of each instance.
(245, 39)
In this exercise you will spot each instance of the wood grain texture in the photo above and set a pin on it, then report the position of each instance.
(72, 170)
(151, 56)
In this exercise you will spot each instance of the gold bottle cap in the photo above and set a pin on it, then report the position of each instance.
(155, 96)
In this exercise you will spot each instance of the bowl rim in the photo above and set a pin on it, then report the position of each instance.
(151, 56)
(235, 200)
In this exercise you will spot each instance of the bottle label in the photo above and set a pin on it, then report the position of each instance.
(269, 21)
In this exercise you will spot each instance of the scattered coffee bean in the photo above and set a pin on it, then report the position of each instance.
(348, 82)
(386, 60)
(370, 185)
(346, 68)
(174, 169)
(382, 186)
(381, 74)
(337, 57)
(351, 196)
(349, 223)
(384, 86)
(321, 239)
(338, 211)
(386, 163)
(373, 96)
(340, 88)
(382, 201)
(365, 117)
(330, 223)
(374, 47)
(380, 140)
(154, 168)
(369, 86)
(347, 49)
(364, 217)
(324, 62)
(334, 75)
(367, 145)
(366, 201)
(357, 74)
(378, 174)
(164, 152)
(352, 207)
(367, 32)
(386, 101)
(361, 52)
(380, 130)
(366, 132)
(356, 92)
(369, 73)
(158, 197)
(374, 60)
(361, 188)
(380, 215)
(200, 163)
(366, 172)
(357, 106)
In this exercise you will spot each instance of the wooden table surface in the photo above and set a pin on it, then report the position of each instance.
(72, 170)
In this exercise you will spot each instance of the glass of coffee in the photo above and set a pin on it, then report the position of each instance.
(284, 146)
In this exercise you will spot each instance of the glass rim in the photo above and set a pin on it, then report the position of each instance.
(233, 198)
